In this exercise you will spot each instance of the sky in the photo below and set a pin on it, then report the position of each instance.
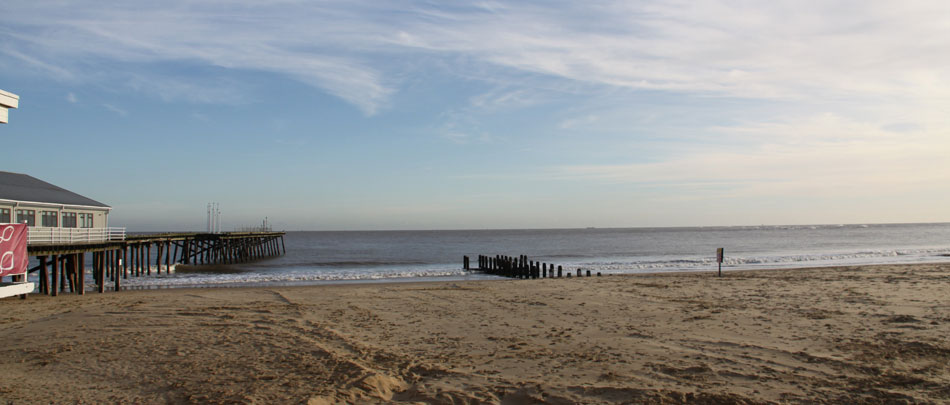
(353, 115)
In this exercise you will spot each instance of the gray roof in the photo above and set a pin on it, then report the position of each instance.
(22, 187)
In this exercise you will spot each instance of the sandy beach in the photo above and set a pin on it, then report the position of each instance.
(868, 334)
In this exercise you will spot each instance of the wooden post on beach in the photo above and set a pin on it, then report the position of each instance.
(578, 272)
(559, 271)
(720, 254)
(588, 273)
(465, 262)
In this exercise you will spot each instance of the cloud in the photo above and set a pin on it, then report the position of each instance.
(823, 155)
(572, 123)
(306, 42)
(116, 110)
(71, 97)
(358, 50)
(872, 52)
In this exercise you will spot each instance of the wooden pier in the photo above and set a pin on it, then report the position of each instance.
(62, 267)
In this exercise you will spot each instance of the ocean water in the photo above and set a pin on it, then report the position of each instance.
(358, 256)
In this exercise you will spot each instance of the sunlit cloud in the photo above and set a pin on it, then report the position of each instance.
(823, 155)
(783, 49)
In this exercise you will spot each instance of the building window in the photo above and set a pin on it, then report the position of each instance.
(28, 216)
(4, 216)
(48, 218)
(69, 220)
(85, 220)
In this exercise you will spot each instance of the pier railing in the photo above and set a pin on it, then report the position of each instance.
(49, 236)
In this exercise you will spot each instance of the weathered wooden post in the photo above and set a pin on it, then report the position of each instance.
(101, 264)
(66, 274)
(116, 264)
(44, 282)
(55, 276)
(578, 272)
(559, 271)
(588, 273)
(465, 262)
(81, 270)
(158, 257)
(720, 254)
(125, 261)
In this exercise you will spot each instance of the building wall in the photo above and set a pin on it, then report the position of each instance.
(100, 216)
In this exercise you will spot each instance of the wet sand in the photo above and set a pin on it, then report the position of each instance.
(867, 334)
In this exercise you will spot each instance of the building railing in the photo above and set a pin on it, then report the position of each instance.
(53, 236)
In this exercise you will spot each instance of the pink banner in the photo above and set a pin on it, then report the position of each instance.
(13, 257)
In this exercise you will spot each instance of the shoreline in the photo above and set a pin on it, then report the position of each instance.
(464, 278)
(870, 334)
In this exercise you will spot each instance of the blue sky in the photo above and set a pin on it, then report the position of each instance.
(440, 115)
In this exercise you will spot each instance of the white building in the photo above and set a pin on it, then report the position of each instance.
(55, 215)
(7, 101)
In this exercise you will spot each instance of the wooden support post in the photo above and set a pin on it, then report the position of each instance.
(578, 272)
(65, 276)
(71, 277)
(116, 265)
(148, 258)
(559, 271)
(54, 280)
(168, 260)
(588, 273)
(95, 268)
(158, 257)
(101, 263)
(44, 279)
(184, 251)
(125, 261)
(81, 272)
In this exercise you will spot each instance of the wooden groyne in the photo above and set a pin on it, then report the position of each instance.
(518, 267)
(62, 267)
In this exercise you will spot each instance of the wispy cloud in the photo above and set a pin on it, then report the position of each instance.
(115, 109)
(818, 156)
(71, 97)
(779, 49)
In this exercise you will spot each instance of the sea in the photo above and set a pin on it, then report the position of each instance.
(330, 257)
